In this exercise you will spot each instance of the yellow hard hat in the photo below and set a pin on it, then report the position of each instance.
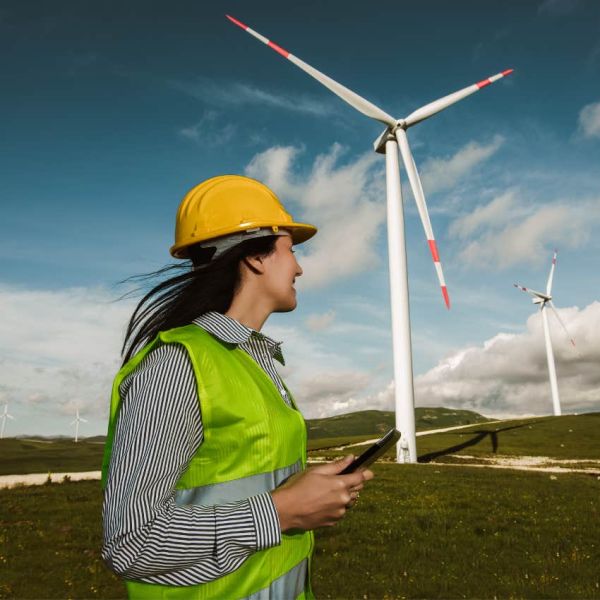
(231, 204)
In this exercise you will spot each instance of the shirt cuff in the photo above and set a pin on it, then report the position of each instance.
(266, 521)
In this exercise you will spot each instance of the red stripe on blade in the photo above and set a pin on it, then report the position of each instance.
(238, 23)
(279, 49)
(483, 83)
(434, 250)
(507, 72)
(446, 297)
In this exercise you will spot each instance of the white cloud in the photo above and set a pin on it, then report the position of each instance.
(222, 94)
(589, 120)
(320, 322)
(208, 132)
(60, 348)
(332, 393)
(443, 173)
(345, 201)
(510, 230)
(508, 374)
(494, 214)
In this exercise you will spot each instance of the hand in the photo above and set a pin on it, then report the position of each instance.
(319, 496)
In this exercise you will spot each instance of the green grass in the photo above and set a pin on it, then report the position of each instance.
(566, 437)
(419, 531)
(37, 456)
(377, 422)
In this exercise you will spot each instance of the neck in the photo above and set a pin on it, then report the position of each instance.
(249, 311)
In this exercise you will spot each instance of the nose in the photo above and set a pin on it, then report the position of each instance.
(298, 269)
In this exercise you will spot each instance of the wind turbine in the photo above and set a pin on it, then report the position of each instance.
(543, 300)
(394, 137)
(76, 422)
(5, 416)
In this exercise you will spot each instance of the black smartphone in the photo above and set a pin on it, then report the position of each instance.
(370, 455)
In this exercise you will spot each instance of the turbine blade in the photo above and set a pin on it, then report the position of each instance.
(529, 291)
(73, 422)
(561, 322)
(358, 102)
(551, 276)
(440, 104)
(417, 188)
(83, 420)
(10, 416)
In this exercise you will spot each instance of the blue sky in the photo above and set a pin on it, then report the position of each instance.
(112, 113)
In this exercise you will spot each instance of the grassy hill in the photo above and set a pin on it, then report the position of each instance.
(571, 437)
(566, 437)
(33, 455)
(375, 422)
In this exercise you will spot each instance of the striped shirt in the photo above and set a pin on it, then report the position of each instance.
(147, 536)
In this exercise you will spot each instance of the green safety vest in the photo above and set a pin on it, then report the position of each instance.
(253, 441)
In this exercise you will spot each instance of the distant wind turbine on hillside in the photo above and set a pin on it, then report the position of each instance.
(544, 300)
(4, 416)
(76, 422)
(393, 139)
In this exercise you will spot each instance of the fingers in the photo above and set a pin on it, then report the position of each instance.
(352, 479)
(335, 467)
(368, 474)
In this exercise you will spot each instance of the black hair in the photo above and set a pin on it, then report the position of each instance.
(201, 285)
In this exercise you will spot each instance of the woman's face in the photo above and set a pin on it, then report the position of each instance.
(281, 270)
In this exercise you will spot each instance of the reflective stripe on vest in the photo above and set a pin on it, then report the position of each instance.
(252, 442)
(237, 489)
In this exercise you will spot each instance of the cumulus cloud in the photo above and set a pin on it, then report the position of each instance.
(509, 230)
(508, 374)
(589, 120)
(332, 393)
(208, 132)
(320, 322)
(443, 173)
(60, 349)
(346, 201)
(237, 94)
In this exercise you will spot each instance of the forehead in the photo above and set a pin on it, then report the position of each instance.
(286, 238)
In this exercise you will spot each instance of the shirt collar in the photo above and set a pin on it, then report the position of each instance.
(233, 332)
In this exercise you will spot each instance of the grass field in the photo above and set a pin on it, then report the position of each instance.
(567, 437)
(419, 531)
(19, 456)
(374, 422)
(422, 531)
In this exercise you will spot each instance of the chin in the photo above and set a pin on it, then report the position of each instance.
(287, 306)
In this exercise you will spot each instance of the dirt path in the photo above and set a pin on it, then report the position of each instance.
(9, 481)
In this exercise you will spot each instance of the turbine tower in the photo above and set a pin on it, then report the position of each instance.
(76, 422)
(544, 300)
(4, 416)
(393, 138)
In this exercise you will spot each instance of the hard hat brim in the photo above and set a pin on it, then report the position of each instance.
(301, 232)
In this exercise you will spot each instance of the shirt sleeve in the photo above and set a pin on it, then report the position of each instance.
(147, 536)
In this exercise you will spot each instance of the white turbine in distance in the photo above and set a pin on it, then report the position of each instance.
(544, 300)
(5, 416)
(387, 143)
(76, 422)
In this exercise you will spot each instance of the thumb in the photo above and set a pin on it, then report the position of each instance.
(335, 467)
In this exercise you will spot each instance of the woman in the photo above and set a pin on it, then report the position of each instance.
(206, 491)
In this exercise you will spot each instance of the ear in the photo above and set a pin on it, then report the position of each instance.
(255, 264)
